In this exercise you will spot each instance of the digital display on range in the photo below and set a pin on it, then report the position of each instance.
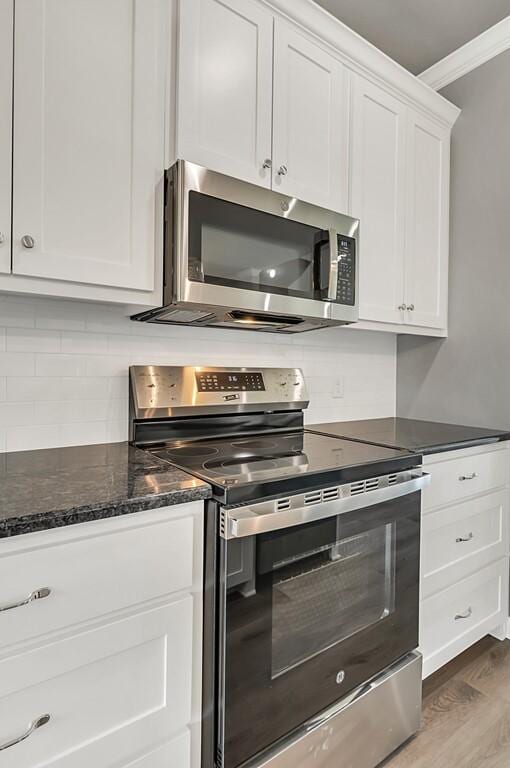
(229, 381)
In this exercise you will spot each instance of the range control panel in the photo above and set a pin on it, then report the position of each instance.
(345, 291)
(160, 391)
(231, 381)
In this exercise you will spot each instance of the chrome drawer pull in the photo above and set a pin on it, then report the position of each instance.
(468, 477)
(465, 538)
(464, 615)
(34, 725)
(37, 594)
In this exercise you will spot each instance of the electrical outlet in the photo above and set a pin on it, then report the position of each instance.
(338, 387)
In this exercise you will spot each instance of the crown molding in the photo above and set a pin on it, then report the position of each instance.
(490, 43)
(363, 57)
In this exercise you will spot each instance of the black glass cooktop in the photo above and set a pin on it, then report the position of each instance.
(249, 467)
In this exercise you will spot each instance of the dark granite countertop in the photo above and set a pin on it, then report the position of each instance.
(413, 434)
(62, 486)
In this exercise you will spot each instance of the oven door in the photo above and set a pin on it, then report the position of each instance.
(241, 246)
(311, 611)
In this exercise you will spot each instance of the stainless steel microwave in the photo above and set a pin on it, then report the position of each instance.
(242, 256)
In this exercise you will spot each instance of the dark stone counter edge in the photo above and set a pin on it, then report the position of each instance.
(42, 521)
(458, 446)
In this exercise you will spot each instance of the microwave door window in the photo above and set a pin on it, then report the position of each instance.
(239, 247)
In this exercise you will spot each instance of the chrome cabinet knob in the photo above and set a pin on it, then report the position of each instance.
(402, 307)
(2, 238)
(282, 170)
(410, 307)
(27, 241)
(267, 163)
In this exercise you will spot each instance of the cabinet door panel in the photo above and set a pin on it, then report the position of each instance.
(427, 222)
(112, 693)
(89, 139)
(6, 54)
(225, 87)
(378, 198)
(310, 121)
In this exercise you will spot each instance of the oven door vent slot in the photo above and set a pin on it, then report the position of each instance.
(330, 494)
(357, 488)
(314, 497)
(372, 484)
(392, 479)
(282, 504)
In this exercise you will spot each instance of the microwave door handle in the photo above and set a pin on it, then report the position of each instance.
(333, 265)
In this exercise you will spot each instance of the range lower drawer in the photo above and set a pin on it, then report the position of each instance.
(91, 571)
(454, 619)
(462, 539)
(460, 474)
(112, 694)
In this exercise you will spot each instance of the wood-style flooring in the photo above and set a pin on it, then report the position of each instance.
(466, 713)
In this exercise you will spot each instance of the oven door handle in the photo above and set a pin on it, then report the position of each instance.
(263, 517)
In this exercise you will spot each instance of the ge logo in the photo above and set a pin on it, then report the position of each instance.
(340, 677)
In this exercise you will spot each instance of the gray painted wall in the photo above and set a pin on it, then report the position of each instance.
(418, 33)
(466, 378)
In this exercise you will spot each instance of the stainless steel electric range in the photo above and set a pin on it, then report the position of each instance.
(312, 547)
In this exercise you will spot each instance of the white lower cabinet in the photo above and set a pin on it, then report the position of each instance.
(458, 616)
(111, 692)
(464, 553)
(118, 686)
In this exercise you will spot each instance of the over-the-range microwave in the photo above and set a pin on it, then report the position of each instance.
(242, 256)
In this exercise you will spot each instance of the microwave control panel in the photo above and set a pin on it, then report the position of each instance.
(346, 281)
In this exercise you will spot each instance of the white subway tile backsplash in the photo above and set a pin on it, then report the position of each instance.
(32, 388)
(32, 340)
(17, 364)
(74, 342)
(60, 365)
(64, 368)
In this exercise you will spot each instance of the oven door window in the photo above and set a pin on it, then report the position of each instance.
(310, 613)
(239, 247)
(323, 597)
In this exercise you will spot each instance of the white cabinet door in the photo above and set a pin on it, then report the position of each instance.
(310, 121)
(89, 139)
(378, 198)
(225, 87)
(6, 54)
(428, 164)
(112, 693)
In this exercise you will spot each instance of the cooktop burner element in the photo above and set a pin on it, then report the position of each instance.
(247, 444)
(241, 467)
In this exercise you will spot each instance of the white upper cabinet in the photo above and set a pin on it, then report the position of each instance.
(225, 87)
(89, 116)
(6, 54)
(378, 198)
(427, 228)
(310, 121)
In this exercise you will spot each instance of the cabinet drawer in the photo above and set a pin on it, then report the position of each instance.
(91, 573)
(112, 693)
(457, 617)
(461, 539)
(461, 476)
